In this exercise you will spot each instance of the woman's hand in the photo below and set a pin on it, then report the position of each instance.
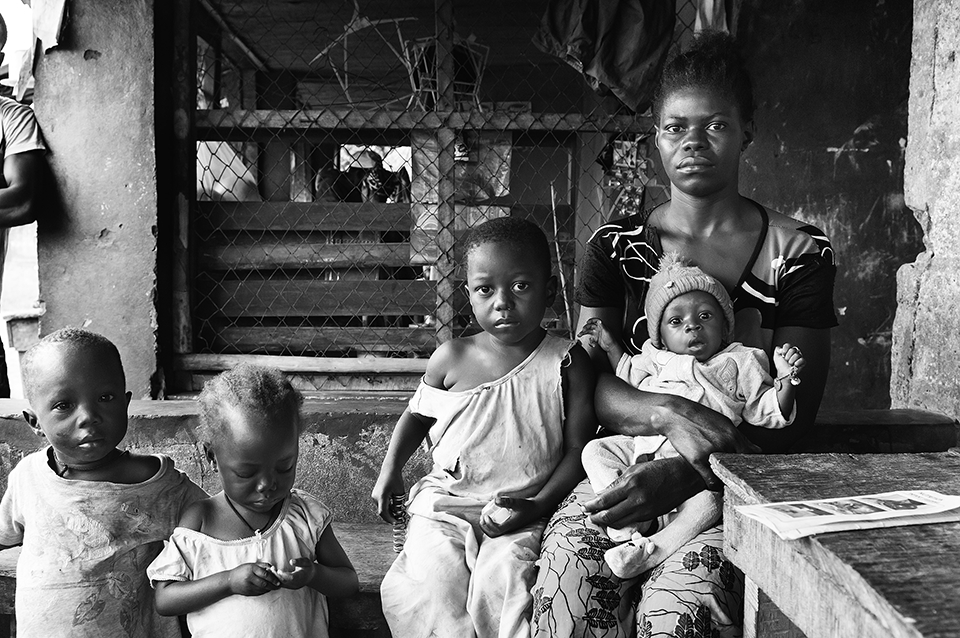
(253, 579)
(388, 485)
(643, 492)
(506, 514)
(298, 573)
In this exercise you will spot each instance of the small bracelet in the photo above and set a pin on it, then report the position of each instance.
(792, 375)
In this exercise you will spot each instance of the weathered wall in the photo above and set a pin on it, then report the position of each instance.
(830, 80)
(95, 102)
(926, 337)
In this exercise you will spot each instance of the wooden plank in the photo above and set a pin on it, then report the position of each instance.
(287, 254)
(220, 124)
(304, 217)
(282, 339)
(312, 298)
(302, 365)
(880, 582)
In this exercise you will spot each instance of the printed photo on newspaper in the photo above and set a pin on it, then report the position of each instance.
(796, 519)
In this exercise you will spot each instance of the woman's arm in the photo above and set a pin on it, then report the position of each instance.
(611, 318)
(579, 425)
(814, 345)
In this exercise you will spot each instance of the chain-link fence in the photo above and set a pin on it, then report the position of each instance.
(343, 148)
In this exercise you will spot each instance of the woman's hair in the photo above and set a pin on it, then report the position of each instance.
(248, 389)
(513, 231)
(711, 63)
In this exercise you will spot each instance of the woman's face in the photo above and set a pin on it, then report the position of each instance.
(700, 137)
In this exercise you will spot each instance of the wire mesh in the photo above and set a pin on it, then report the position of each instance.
(345, 147)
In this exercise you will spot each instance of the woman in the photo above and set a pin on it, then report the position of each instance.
(780, 274)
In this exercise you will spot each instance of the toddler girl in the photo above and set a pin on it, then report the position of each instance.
(689, 353)
(506, 413)
(258, 558)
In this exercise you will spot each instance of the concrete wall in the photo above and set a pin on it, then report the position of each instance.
(926, 337)
(830, 79)
(95, 102)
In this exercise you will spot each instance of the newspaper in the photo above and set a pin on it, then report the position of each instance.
(796, 519)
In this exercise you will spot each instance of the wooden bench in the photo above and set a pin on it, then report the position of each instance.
(369, 546)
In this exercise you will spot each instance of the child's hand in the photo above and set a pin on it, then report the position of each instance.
(297, 574)
(787, 359)
(595, 334)
(387, 486)
(253, 579)
(506, 514)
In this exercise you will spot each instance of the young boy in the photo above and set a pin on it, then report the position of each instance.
(89, 516)
(506, 413)
(689, 353)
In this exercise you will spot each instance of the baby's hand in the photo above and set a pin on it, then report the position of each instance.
(506, 514)
(297, 574)
(595, 334)
(788, 360)
(253, 579)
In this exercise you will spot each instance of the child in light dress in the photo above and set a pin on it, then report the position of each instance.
(506, 413)
(259, 558)
(89, 516)
(690, 354)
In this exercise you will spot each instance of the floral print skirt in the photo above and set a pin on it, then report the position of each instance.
(694, 593)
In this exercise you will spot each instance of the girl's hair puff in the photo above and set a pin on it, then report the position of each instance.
(249, 389)
(711, 63)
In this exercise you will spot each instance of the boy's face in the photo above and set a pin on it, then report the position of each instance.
(79, 402)
(509, 291)
(257, 464)
(692, 323)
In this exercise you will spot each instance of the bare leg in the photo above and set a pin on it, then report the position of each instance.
(696, 514)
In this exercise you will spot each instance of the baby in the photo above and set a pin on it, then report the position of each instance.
(690, 354)
(259, 558)
(90, 517)
(506, 413)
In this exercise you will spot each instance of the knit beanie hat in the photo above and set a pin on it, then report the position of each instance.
(674, 279)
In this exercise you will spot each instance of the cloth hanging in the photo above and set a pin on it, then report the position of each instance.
(618, 45)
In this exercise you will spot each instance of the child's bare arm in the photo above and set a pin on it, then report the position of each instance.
(407, 435)
(176, 598)
(596, 333)
(788, 362)
(578, 428)
(332, 574)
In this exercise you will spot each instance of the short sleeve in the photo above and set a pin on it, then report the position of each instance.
(21, 132)
(599, 284)
(309, 516)
(806, 297)
(171, 563)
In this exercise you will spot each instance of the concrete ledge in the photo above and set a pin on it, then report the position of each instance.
(341, 448)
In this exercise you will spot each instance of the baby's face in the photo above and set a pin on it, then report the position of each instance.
(693, 324)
